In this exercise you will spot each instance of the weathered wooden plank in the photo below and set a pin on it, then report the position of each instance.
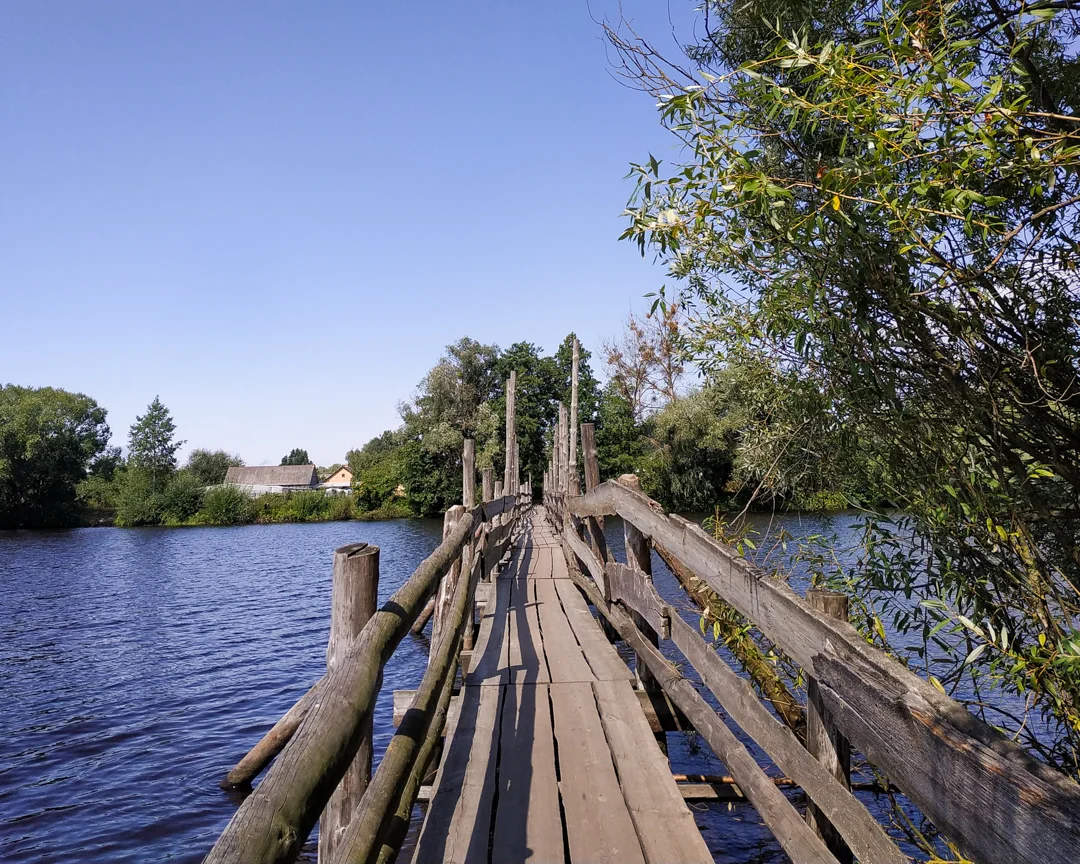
(599, 827)
(866, 838)
(489, 658)
(637, 594)
(664, 825)
(786, 824)
(274, 821)
(528, 824)
(565, 660)
(1000, 804)
(585, 555)
(603, 659)
(458, 820)
(526, 659)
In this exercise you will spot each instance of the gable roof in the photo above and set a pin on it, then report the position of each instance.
(272, 475)
(342, 473)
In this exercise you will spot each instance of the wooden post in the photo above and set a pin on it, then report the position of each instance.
(498, 489)
(564, 464)
(445, 593)
(468, 473)
(822, 739)
(487, 485)
(594, 525)
(354, 599)
(574, 485)
(588, 455)
(517, 461)
(511, 429)
(639, 557)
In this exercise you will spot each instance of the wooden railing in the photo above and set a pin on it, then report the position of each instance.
(981, 790)
(323, 743)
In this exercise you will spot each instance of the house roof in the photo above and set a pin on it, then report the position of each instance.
(342, 473)
(272, 475)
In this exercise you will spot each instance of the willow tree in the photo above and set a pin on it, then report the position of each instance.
(881, 200)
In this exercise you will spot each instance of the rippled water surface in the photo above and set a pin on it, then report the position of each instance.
(138, 665)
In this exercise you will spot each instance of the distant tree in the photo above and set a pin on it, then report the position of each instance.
(297, 456)
(153, 445)
(210, 466)
(619, 438)
(535, 405)
(588, 386)
(646, 361)
(48, 438)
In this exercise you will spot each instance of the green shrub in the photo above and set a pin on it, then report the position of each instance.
(183, 497)
(98, 493)
(226, 505)
(309, 506)
(139, 503)
(341, 507)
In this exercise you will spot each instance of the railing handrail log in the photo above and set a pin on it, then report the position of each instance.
(980, 789)
(275, 820)
(369, 826)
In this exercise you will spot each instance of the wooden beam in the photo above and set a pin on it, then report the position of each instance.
(272, 823)
(823, 740)
(354, 598)
(573, 486)
(468, 473)
(980, 789)
(789, 828)
(639, 558)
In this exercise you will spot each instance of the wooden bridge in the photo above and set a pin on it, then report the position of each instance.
(532, 740)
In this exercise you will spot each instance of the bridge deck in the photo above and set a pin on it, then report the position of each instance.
(551, 758)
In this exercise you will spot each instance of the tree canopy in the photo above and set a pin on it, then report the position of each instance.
(48, 440)
(296, 456)
(879, 205)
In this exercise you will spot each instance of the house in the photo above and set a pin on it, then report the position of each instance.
(260, 479)
(339, 481)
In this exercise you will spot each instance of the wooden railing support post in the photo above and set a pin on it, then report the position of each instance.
(823, 740)
(448, 583)
(354, 599)
(487, 485)
(468, 473)
(639, 557)
(574, 484)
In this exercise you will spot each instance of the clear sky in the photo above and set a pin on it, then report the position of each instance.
(276, 215)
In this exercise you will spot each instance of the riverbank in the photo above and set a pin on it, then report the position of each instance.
(224, 506)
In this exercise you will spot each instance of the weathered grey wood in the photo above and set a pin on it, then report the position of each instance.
(599, 827)
(664, 825)
(275, 820)
(984, 792)
(272, 743)
(487, 484)
(525, 655)
(563, 446)
(789, 828)
(574, 484)
(468, 473)
(448, 585)
(588, 559)
(403, 700)
(458, 821)
(421, 620)
(511, 431)
(499, 504)
(394, 833)
(489, 663)
(639, 557)
(528, 824)
(638, 596)
(354, 599)
(588, 456)
(373, 818)
(565, 660)
(603, 659)
(823, 740)
(762, 672)
(855, 824)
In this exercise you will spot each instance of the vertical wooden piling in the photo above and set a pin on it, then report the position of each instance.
(823, 740)
(354, 599)
(511, 430)
(468, 500)
(574, 484)
(487, 481)
(561, 446)
(468, 473)
(639, 557)
(445, 594)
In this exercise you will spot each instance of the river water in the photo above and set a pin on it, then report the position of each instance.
(138, 665)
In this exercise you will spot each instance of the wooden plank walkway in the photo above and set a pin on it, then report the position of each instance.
(550, 757)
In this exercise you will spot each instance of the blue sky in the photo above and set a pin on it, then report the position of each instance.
(276, 215)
